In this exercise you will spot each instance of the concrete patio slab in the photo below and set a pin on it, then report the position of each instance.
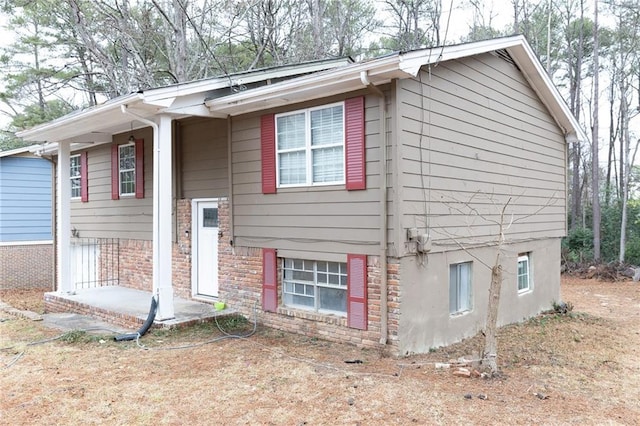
(129, 307)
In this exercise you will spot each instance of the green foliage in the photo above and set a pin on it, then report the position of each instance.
(34, 114)
(578, 245)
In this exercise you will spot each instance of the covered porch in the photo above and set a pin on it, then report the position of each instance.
(129, 308)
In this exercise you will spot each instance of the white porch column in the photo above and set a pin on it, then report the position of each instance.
(65, 280)
(162, 207)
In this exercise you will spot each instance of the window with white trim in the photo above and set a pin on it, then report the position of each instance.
(315, 285)
(460, 288)
(310, 146)
(524, 272)
(75, 176)
(127, 168)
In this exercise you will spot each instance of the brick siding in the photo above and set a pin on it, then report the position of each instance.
(26, 266)
(240, 281)
(240, 286)
(181, 266)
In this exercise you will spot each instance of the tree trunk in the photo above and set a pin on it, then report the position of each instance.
(595, 168)
(490, 357)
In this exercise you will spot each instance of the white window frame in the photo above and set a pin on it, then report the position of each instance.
(308, 149)
(78, 177)
(342, 274)
(458, 306)
(121, 171)
(524, 258)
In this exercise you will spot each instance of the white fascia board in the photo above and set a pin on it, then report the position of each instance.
(532, 69)
(17, 151)
(523, 56)
(347, 78)
(51, 148)
(308, 87)
(411, 62)
(72, 125)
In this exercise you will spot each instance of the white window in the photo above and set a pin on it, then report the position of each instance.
(459, 288)
(315, 285)
(74, 175)
(524, 272)
(310, 146)
(127, 168)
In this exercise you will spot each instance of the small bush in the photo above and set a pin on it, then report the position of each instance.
(562, 308)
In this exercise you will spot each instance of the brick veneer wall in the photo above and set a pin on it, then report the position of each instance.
(181, 266)
(240, 286)
(26, 266)
(240, 281)
(136, 264)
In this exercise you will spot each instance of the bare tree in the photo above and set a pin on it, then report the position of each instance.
(415, 23)
(595, 168)
(497, 214)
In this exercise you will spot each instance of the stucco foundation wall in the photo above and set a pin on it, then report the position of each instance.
(26, 266)
(425, 321)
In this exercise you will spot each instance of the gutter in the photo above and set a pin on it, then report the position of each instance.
(382, 108)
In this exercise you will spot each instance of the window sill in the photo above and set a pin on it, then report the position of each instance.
(525, 291)
(313, 316)
(459, 314)
(309, 188)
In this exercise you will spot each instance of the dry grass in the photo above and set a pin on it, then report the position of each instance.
(586, 364)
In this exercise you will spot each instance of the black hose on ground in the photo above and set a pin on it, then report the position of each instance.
(145, 327)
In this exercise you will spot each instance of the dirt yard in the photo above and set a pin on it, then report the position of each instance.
(580, 368)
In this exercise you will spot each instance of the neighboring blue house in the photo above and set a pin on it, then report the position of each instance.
(26, 239)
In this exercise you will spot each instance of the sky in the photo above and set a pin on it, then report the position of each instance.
(455, 26)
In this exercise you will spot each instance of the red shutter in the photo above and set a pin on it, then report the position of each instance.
(140, 168)
(268, 151)
(357, 291)
(84, 180)
(115, 175)
(354, 144)
(269, 280)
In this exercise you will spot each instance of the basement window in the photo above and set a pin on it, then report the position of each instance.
(460, 288)
(315, 285)
(524, 272)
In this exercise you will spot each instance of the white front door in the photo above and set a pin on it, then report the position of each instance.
(205, 248)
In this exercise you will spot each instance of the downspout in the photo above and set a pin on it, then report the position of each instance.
(382, 106)
(156, 173)
(230, 178)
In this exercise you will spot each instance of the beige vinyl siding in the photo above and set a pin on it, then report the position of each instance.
(486, 138)
(307, 220)
(103, 217)
(203, 158)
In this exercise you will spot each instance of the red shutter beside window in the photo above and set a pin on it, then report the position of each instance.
(140, 168)
(115, 175)
(354, 144)
(357, 291)
(269, 280)
(268, 151)
(84, 180)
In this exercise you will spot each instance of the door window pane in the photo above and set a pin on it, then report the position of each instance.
(210, 217)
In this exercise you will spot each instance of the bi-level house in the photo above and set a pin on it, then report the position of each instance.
(355, 202)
